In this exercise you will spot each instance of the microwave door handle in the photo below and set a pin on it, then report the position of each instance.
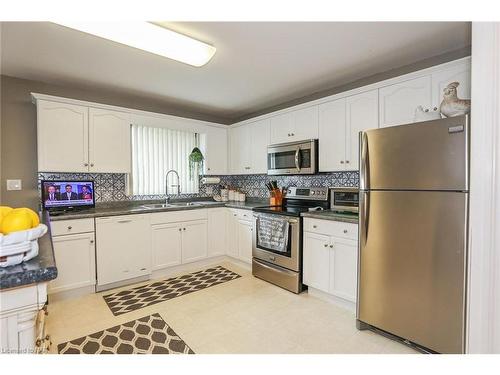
(297, 159)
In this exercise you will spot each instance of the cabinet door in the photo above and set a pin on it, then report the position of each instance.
(361, 114)
(305, 124)
(216, 151)
(240, 150)
(194, 241)
(343, 268)
(75, 256)
(457, 73)
(166, 245)
(316, 264)
(399, 101)
(216, 231)
(281, 128)
(232, 233)
(260, 138)
(109, 141)
(332, 136)
(62, 137)
(123, 248)
(245, 232)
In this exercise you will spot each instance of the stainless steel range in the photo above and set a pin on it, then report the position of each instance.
(277, 240)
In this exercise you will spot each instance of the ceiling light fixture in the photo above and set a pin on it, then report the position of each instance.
(151, 38)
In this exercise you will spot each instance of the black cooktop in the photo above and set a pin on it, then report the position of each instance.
(287, 210)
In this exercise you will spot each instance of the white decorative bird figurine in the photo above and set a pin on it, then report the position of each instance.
(451, 105)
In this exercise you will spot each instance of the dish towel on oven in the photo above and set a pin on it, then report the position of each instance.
(272, 232)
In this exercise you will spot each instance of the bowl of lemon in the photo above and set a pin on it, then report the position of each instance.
(20, 229)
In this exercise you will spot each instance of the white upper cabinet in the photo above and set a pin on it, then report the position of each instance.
(332, 136)
(260, 135)
(109, 141)
(62, 137)
(399, 101)
(455, 73)
(216, 151)
(296, 125)
(361, 114)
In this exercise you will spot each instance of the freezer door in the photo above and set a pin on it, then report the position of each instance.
(430, 155)
(412, 261)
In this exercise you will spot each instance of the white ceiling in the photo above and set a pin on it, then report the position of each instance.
(257, 65)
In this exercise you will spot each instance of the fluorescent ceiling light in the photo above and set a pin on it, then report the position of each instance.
(151, 38)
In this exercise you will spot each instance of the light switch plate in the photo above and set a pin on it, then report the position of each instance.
(14, 185)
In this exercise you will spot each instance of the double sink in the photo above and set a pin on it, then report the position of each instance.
(158, 206)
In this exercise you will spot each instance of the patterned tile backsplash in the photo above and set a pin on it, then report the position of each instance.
(113, 186)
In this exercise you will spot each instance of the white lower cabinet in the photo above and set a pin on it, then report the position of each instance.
(74, 251)
(239, 234)
(217, 231)
(330, 261)
(194, 241)
(75, 257)
(123, 248)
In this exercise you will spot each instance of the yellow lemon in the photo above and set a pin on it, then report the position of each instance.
(4, 210)
(16, 221)
(35, 219)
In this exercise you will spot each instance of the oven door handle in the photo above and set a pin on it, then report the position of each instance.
(297, 159)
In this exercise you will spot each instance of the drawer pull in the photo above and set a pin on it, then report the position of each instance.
(91, 241)
(331, 246)
(183, 228)
(124, 221)
(143, 269)
(180, 229)
(70, 227)
(315, 226)
(325, 245)
(345, 230)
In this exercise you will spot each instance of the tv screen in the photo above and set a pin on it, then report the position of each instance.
(64, 194)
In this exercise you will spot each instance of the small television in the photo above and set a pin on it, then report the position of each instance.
(67, 194)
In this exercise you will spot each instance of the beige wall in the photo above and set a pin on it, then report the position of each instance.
(18, 149)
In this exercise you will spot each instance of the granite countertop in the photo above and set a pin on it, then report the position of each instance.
(332, 215)
(135, 207)
(39, 269)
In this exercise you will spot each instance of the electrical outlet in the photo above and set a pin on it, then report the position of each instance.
(14, 185)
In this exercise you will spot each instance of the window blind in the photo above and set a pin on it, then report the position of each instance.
(155, 151)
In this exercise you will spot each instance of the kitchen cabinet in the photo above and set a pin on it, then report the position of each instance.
(240, 149)
(123, 248)
(295, 125)
(216, 151)
(330, 257)
(166, 245)
(75, 257)
(340, 122)
(62, 137)
(332, 136)
(245, 233)
(109, 141)
(194, 241)
(361, 114)
(73, 138)
(217, 231)
(239, 234)
(399, 101)
(260, 138)
(74, 250)
(316, 269)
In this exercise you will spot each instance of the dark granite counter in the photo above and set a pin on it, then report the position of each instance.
(136, 207)
(39, 269)
(332, 215)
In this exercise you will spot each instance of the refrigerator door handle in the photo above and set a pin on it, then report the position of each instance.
(366, 214)
(364, 168)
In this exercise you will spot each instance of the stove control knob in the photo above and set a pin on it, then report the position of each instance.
(324, 193)
(312, 192)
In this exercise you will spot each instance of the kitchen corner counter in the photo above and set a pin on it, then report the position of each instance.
(39, 269)
(333, 216)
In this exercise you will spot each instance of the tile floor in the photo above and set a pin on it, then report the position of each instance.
(246, 315)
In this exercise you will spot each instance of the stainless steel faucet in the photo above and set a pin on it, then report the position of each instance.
(178, 184)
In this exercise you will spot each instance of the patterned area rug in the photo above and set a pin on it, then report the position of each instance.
(148, 335)
(146, 295)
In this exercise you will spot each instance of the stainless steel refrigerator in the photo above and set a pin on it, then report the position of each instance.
(413, 220)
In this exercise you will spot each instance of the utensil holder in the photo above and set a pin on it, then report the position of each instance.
(276, 198)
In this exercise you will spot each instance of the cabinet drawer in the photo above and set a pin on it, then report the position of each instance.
(176, 216)
(245, 215)
(331, 228)
(62, 227)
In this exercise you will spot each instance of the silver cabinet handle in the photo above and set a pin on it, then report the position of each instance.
(292, 134)
(143, 269)
(124, 221)
(86, 164)
(180, 229)
(345, 230)
(341, 162)
(331, 246)
(435, 108)
(347, 161)
(91, 241)
(91, 164)
(325, 245)
(70, 227)
(315, 226)
(183, 228)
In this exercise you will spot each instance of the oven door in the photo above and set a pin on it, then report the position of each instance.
(291, 258)
(292, 158)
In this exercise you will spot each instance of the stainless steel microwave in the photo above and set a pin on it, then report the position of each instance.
(293, 158)
(344, 199)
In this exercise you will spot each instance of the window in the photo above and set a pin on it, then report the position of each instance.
(155, 151)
